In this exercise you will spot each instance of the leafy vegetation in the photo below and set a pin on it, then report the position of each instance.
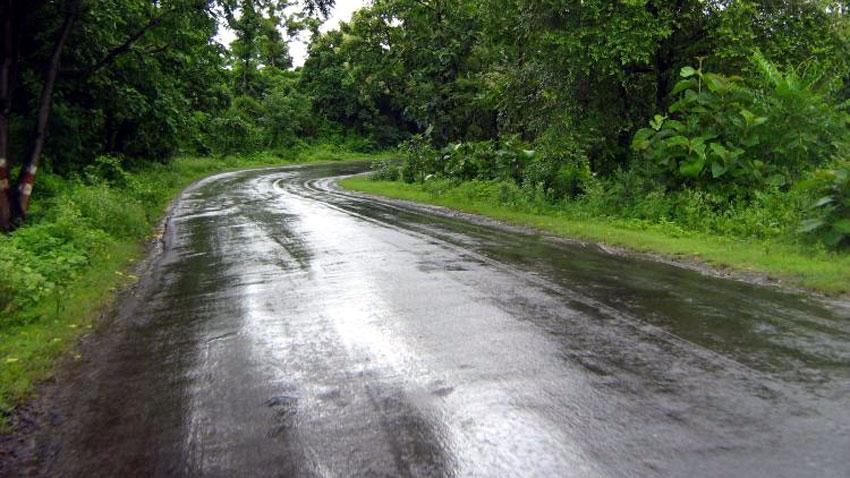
(717, 117)
(143, 80)
(829, 215)
(723, 135)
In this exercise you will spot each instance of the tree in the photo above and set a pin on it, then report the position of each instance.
(14, 201)
(401, 66)
(146, 57)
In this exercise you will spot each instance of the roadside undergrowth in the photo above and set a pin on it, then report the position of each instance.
(816, 270)
(60, 271)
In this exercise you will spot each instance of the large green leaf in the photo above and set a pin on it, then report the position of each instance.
(716, 83)
(719, 150)
(679, 141)
(641, 140)
(675, 125)
(692, 168)
(682, 86)
(687, 72)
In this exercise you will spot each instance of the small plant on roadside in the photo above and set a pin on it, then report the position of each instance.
(384, 170)
(829, 214)
(420, 159)
(107, 169)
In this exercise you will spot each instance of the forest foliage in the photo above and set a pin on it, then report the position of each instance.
(726, 99)
(723, 116)
(143, 81)
(647, 107)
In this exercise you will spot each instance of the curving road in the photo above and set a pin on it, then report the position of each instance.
(291, 329)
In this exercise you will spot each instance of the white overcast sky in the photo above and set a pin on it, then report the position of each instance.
(298, 48)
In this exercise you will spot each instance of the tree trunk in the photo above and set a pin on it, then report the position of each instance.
(5, 111)
(30, 167)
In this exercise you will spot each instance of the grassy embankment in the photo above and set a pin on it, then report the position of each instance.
(793, 264)
(60, 271)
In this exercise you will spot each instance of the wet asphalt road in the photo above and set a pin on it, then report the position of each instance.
(291, 329)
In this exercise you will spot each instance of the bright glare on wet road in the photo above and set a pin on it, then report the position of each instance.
(291, 329)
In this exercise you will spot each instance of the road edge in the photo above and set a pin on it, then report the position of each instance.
(690, 263)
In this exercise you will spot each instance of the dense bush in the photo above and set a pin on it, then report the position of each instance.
(771, 213)
(486, 160)
(829, 214)
(726, 135)
(37, 259)
(75, 220)
(385, 171)
(560, 169)
(724, 160)
(420, 159)
(237, 128)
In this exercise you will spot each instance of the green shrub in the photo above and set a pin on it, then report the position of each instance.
(805, 126)
(107, 169)
(37, 260)
(829, 214)
(485, 160)
(504, 160)
(75, 221)
(511, 160)
(771, 213)
(238, 128)
(420, 159)
(557, 178)
(560, 168)
(627, 193)
(733, 138)
(20, 284)
(384, 170)
(112, 211)
(466, 161)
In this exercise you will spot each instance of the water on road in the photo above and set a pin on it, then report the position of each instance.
(291, 329)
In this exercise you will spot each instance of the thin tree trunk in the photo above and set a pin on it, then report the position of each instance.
(5, 111)
(30, 167)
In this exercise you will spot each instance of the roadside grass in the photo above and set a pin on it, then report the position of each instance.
(816, 270)
(59, 272)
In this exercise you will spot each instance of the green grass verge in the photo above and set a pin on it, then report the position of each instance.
(36, 331)
(28, 351)
(815, 270)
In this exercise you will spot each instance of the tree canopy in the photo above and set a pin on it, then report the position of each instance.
(133, 78)
(577, 79)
